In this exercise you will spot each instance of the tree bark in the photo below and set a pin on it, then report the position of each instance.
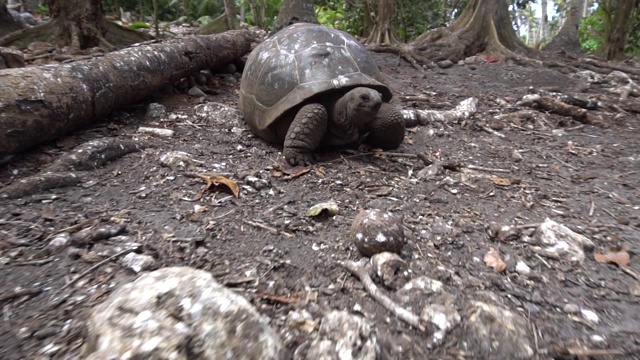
(79, 24)
(616, 37)
(483, 26)
(41, 103)
(382, 32)
(231, 13)
(567, 38)
(295, 11)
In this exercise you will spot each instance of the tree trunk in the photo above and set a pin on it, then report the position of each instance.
(8, 23)
(567, 38)
(79, 24)
(544, 21)
(382, 32)
(295, 11)
(41, 103)
(616, 38)
(483, 26)
(230, 12)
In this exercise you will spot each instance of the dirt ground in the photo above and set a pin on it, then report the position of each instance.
(262, 245)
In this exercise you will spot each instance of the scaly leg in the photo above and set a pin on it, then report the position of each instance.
(305, 133)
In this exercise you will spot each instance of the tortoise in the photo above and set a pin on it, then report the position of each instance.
(309, 86)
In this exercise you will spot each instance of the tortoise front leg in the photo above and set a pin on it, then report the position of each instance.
(386, 131)
(305, 134)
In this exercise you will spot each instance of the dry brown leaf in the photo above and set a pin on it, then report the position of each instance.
(379, 190)
(297, 171)
(616, 256)
(48, 212)
(492, 259)
(501, 181)
(216, 181)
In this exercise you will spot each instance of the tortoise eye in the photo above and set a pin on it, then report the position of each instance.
(364, 97)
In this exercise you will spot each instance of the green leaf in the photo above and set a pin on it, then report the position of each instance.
(330, 208)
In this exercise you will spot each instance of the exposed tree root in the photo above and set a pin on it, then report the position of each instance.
(62, 172)
(114, 36)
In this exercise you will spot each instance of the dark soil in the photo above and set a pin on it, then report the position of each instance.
(262, 244)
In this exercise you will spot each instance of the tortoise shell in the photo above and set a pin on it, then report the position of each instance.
(296, 66)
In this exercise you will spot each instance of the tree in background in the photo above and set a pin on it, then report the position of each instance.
(567, 39)
(618, 22)
(79, 24)
(483, 26)
(382, 31)
(8, 23)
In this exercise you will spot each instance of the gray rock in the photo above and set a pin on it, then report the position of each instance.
(341, 336)
(491, 331)
(156, 111)
(178, 313)
(218, 114)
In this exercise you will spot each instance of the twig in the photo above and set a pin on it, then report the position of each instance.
(94, 267)
(18, 293)
(267, 227)
(481, 168)
(362, 272)
(491, 131)
(36, 262)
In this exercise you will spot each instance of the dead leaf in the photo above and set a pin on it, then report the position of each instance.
(67, 143)
(379, 190)
(501, 181)
(215, 181)
(48, 212)
(615, 255)
(299, 171)
(492, 259)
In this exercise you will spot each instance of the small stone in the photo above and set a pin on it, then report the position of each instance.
(571, 308)
(386, 265)
(156, 111)
(623, 220)
(138, 262)
(522, 268)
(196, 92)
(375, 231)
(256, 182)
(445, 64)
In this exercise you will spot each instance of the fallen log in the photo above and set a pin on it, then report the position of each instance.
(42, 103)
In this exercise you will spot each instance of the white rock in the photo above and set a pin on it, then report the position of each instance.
(178, 313)
(341, 336)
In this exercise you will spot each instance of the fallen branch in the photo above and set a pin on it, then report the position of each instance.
(415, 117)
(548, 103)
(41, 103)
(19, 293)
(87, 156)
(361, 271)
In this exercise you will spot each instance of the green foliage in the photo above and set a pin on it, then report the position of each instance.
(591, 31)
(343, 15)
(168, 10)
(633, 42)
(139, 25)
(271, 12)
(412, 18)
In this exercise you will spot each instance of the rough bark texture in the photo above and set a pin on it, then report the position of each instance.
(230, 13)
(382, 32)
(79, 24)
(295, 11)
(483, 26)
(616, 39)
(567, 38)
(38, 104)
